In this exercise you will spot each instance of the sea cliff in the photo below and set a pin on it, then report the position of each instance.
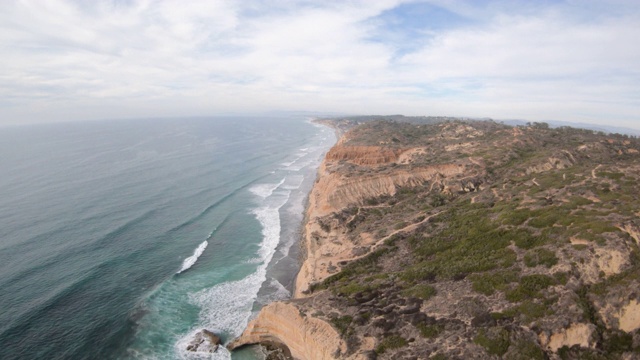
(326, 251)
(283, 322)
(466, 240)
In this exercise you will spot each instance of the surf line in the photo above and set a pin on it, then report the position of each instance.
(188, 262)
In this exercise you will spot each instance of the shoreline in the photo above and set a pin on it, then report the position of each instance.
(303, 249)
(285, 269)
(283, 322)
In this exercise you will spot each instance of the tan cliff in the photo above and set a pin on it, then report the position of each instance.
(308, 337)
(466, 240)
(305, 336)
(333, 191)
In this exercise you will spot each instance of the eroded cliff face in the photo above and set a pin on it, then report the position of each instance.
(327, 247)
(489, 242)
(305, 336)
(364, 155)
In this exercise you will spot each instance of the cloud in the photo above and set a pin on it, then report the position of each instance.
(72, 60)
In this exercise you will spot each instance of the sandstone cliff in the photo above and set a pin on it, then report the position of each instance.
(305, 336)
(467, 240)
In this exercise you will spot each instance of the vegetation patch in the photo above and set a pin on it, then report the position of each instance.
(341, 323)
(540, 256)
(430, 331)
(527, 350)
(529, 310)
(524, 239)
(391, 342)
(488, 283)
(530, 287)
(421, 291)
(495, 340)
(470, 243)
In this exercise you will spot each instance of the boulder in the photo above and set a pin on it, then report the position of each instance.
(204, 341)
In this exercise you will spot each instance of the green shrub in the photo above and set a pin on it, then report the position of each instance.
(391, 342)
(430, 331)
(544, 221)
(488, 283)
(352, 288)
(540, 256)
(576, 202)
(400, 225)
(526, 240)
(495, 341)
(529, 287)
(618, 341)
(366, 264)
(561, 277)
(527, 309)
(341, 323)
(611, 175)
(421, 291)
(439, 357)
(527, 350)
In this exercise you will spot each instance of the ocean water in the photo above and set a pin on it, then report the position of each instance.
(121, 239)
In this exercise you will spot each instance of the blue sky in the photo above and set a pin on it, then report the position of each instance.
(534, 60)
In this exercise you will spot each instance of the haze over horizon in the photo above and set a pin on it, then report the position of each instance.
(574, 61)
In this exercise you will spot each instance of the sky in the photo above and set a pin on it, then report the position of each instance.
(573, 60)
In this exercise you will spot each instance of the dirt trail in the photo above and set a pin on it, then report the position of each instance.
(593, 171)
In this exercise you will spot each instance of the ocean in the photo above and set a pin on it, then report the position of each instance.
(121, 239)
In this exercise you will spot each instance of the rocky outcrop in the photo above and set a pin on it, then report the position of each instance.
(632, 229)
(305, 336)
(204, 341)
(629, 319)
(561, 160)
(576, 334)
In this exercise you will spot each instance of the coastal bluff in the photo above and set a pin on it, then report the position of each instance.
(466, 239)
(305, 337)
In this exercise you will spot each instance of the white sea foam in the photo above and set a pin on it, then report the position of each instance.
(227, 307)
(302, 154)
(188, 262)
(301, 165)
(224, 307)
(293, 182)
(265, 190)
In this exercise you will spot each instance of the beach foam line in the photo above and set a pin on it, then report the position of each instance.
(227, 307)
(265, 190)
(188, 262)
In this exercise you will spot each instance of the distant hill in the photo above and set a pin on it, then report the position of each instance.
(603, 128)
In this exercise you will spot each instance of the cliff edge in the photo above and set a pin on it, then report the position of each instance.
(467, 240)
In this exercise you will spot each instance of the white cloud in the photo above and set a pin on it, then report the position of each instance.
(64, 60)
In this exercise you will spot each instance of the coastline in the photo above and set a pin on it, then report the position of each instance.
(302, 245)
(284, 323)
(302, 282)
(309, 323)
(391, 271)
(285, 269)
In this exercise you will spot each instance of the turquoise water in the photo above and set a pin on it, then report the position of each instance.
(122, 239)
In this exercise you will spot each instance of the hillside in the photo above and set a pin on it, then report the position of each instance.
(467, 240)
